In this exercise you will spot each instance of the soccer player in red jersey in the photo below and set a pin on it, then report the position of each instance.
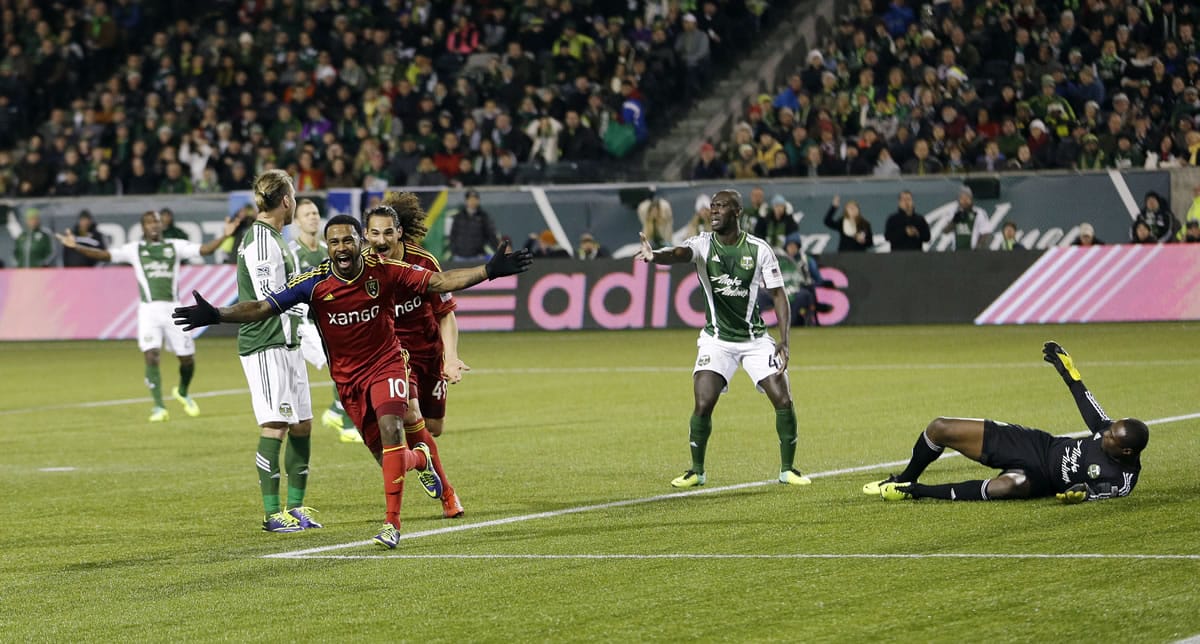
(351, 296)
(422, 323)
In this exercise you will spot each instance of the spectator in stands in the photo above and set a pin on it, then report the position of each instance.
(657, 220)
(34, 247)
(1141, 233)
(1157, 216)
(693, 47)
(701, 220)
(589, 248)
(472, 233)
(1008, 237)
(1191, 233)
(778, 224)
(1087, 236)
(922, 163)
(906, 229)
(969, 223)
(854, 230)
(577, 142)
(746, 166)
(544, 246)
(709, 166)
(86, 234)
(169, 229)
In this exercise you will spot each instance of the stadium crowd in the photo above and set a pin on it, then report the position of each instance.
(132, 97)
(963, 86)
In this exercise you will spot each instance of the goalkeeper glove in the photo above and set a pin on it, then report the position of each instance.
(1057, 356)
(1077, 493)
(198, 315)
(503, 263)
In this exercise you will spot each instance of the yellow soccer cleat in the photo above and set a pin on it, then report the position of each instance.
(159, 415)
(690, 478)
(349, 436)
(332, 419)
(872, 488)
(895, 491)
(189, 406)
(794, 477)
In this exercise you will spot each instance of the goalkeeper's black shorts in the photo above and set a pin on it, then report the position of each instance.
(1013, 447)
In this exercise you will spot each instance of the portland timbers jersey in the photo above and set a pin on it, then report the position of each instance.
(731, 277)
(156, 266)
(265, 264)
(308, 259)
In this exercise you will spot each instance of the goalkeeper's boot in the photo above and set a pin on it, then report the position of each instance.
(189, 406)
(159, 415)
(872, 488)
(388, 537)
(895, 491)
(451, 507)
(303, 514)
(690, 478)
(428, 477)
(281, 522)
(794, 477)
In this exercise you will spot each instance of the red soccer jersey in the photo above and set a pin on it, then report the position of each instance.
(417, 313)
(354, 316)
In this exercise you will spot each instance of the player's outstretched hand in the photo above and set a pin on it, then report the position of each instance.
(645, 253)
(453, 370)
(67, 238)
(504, 263)
(1053, 353)
(197, 315)
(1075, 494)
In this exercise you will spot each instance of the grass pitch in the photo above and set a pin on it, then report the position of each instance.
(561, 446)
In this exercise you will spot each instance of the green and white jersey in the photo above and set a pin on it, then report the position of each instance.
(156, 265)
(308, 259)
(731, 278)
(265, 264)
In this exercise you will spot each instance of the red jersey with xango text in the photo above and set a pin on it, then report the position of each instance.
(417, 313)
(355, 317)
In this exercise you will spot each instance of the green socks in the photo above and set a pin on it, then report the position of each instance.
(266, 461)
(785, 426)
(154, 382)
(298, 449)
(700, 427)
(185, 377)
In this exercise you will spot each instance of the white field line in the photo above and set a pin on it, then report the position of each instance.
(686, 555)
(928, 366)
(300, 554)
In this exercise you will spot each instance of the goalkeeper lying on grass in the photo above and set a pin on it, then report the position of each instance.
(1033, 463)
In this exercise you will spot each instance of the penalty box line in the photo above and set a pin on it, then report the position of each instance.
(307, 552)
(923, 555)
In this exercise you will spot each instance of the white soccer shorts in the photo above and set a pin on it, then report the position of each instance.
(756, 357)
(310, 345)
(155, 324)
(278, 383)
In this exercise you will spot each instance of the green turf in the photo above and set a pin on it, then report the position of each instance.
(154, 533)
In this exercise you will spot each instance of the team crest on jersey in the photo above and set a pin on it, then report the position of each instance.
(703, 361)
(328, 297)
(372, 286)
(168, 251)
(746, 262)
(285, 409)
(1093, 471)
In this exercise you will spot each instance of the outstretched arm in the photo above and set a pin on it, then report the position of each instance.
(673, 255)
(502, 264)
(1093, 414)
(213, 244)
(68, 241)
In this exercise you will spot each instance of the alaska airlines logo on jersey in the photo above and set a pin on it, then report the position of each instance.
(372, 286)
(1070, 462)
(353, 317)
(727, 285)
(409, 306)
(159, 269)
(746, 262)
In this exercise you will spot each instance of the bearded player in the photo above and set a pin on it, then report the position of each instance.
(351, 296)
(425, 326)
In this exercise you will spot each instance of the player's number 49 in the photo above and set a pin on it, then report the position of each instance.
(398, 388)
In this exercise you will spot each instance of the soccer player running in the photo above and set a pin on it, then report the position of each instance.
(352, 296)
(1033, 463)
(732, 266)
(155, 263)
(271, 359)
(425, 326)
(310, 251)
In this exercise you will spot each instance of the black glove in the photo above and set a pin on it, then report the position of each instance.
(1057, 356)
(504, 263)
(199, 314)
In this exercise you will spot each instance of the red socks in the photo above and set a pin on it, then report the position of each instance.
(397, 460)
